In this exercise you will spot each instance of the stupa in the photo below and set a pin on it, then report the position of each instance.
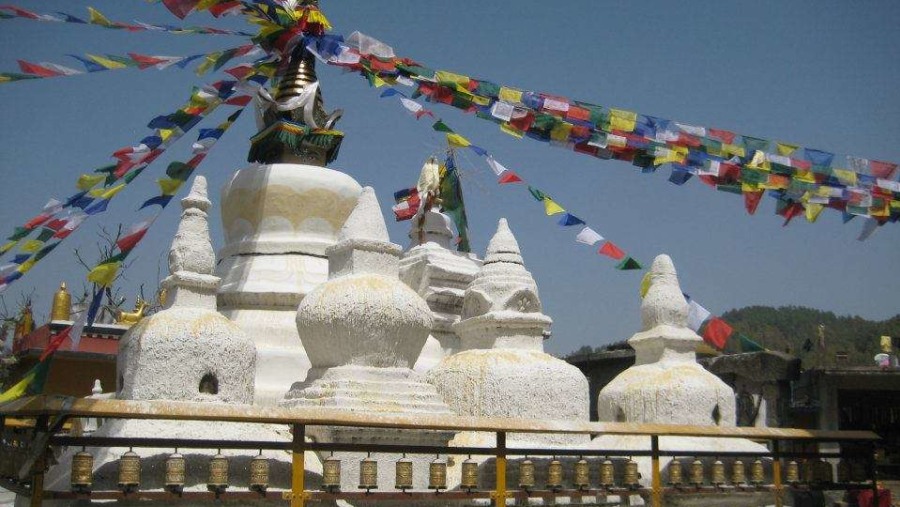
(279, 215)
(363, 330)
(191, 353)
(440, 275)
(502, 370)
(666, 385)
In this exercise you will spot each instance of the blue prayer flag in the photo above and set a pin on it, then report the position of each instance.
(570, 219)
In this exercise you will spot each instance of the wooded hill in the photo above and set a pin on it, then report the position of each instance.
(788, 328)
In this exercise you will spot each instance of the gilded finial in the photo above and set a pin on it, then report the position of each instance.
(62, 304)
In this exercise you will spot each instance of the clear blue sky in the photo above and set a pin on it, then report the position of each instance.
(822, 74)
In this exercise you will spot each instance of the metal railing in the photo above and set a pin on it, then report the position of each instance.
(27, 453)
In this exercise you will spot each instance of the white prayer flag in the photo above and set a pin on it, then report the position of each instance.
(502, 110)
(588, 236)
(556, 105)
(411, 105)
(696, 316)
(692, 129)
(497, 167)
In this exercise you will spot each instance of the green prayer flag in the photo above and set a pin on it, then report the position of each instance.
(440, 126)
(628, 264)
(748, 345)
(487, 89)
(754, 143)
(537, 194)
(133, 174)
(19, 233)
(45, 234)
(179, 171)
(734, 188)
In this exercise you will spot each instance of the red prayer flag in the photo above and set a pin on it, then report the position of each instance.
(609, 249)
(180, 8)
(509, 177)
(883, 170)
(751, 201)
(722, 135)
(240, 100)
(36, 221)
(127, 243)
(145, 61)
(55, 343)
(717, 332)
(37, 70)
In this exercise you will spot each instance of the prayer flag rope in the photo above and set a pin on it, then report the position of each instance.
(804, 181)
(99, 63)
(97, 18)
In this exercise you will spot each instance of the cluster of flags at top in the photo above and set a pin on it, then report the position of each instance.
(803, 181)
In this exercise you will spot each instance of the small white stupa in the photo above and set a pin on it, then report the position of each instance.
(363, 330)
(666, 385)
(502, 370)
(440, 275)
(187, 352)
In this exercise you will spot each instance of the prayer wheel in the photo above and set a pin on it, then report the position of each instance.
(331, 474)
(844, 471)
(175, 467)
(757, 473)
(582, 478)
(792, 472)
(631, 479)
(469, 480)
(607, 474)
(437, 475)
(129, 472)
(218, 474)
(259, 474)
(404, 474)
(718, 473)
(824, 472)
(858, 471)
(82, 472)
(738, 473)
(554, 475)
(697, 473)
(676, 473)
(368, 474)
(808, 471)
(526, 474)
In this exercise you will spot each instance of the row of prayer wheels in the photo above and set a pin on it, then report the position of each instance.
(819, 471)
(368, 474)
(129, 476)
(718, 474)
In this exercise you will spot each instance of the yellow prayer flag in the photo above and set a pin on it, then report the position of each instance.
(7, 247)
(481, 101)
(645, 284)
(883, 211)
(88, 181)
(208, 63)
(104, 274)
(512, 131)
(26, 266)
(561, 132)
(551, 208)
(846, 177)
(4, 79)
(443, 77)
(169, 186)
(97, 18)
(749, 187)
(32, 245)
(377, 81)
(111, 192)
(759, 161)
(18, 390)
(895, 204)
(457, 140)
(804, 176)
(106, 62)
(675, 155)
(733, 149)
(785, 149)
(622, 120)
(165, 134)
(813, 211)
(510, 95)
(316, 16)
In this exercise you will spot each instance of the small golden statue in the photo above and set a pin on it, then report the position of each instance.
(132, 318)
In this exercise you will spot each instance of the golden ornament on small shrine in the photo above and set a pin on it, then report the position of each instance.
(554, 475)
(632, 478)
(82, 472)
(526, 474)
(437, 474)
(697, 473)
(582, 478)
(404, 474)
(259, 474)
(331, 474)
(218, 474)
(368, 474)
(129, 472)
(607, 474)
(469, 479)
(175, 468)
(62, 304)
(738, 473)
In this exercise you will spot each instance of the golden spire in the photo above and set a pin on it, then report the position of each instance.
(62, 304)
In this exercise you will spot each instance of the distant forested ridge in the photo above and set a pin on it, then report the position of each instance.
(788, 328)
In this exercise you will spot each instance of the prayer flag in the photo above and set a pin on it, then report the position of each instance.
(31, 383)
(609, 249)
(751, 200)
(457, 140)
(628, 264)
(697, 315)
(717, 332)
(104, 274)
(570, 219)
(509, 177)
(551, 207)
(588, 236)
(786, 149)
(646, 281)
(440, 126)
(497, 167)
(748, 345)
(99, 19)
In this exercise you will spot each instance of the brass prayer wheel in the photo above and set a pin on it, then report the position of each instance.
(129, 472)
(607, 474)
(631, 479)
(469, 475)
(809, 471)
(526, 474)
(259, 474)
(676, 473)
(331, 474)
(82, 472)
(858, 471)
(792, 473)
(218, 474)
(697, 473)
(718, 473)
(437, 474)
(738, 473)
(582, 479)
(824, 472)
(175, 467)
(843, 471)
(368, 474)
(757, 472)
(554, 475)
(404, 474)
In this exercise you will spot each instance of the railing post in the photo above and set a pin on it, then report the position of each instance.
(776, 475)
(656, 479)
(298, 467)
(500, 493)
(37, 477)
(873, 469)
